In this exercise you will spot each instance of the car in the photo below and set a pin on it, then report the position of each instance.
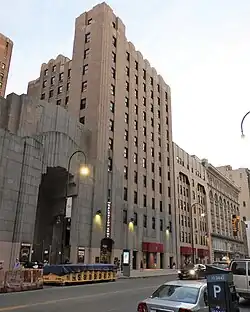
(192, 272)
(177, 296)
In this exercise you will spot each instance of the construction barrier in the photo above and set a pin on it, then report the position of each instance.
(79, 273)
(21, 280)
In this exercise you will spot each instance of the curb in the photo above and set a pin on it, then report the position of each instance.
(147, 276)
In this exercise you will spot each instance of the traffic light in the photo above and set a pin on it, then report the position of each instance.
(235, 224)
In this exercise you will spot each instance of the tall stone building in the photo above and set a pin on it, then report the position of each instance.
(6, 46)
(192, 214)
(126, 105)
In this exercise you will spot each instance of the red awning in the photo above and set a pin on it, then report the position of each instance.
(152, 247)
(203, 253)
(186, 250)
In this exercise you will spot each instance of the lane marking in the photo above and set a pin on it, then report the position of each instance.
(25, 306)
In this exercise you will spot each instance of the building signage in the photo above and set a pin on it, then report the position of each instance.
(68, 207)
(108, 219)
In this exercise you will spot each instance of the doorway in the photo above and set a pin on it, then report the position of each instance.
(134, 261)
(161, 260)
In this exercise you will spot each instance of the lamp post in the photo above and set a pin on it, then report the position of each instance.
(192, 229)
(84, 170)
(241, 124)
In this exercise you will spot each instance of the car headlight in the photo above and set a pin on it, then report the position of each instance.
(192, 272)
(179, 272)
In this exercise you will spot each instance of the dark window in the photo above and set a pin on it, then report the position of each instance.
(168, 161)
(84, 86)
(153, 223)
(161, 225)
(59, 90)
(161, 205)
(114, 25)
(144, 74)
(113, 72)
(136, 65)
(112, 107)
(153, 203)
(169, 192)
(82, 120)
(135, 197)
(111, 125)
(83, 103)
(125, 170)
(135, 218)
(114, 41)
(239, 268)
(89, 21)
(111, 144)
(126, 135)
(126, 102)
(69, 73)
(61, 77)
(136, 125)
(125, 152)
(160, 188)
(145, 221)
(144, 201)
(114, 57)
(85, 69)
(51, 93)
(144, 181)
(125, 194)
(87, 38)
(86, 53)
(112, 90)
(58, 102)
(127, 71)
(153, 167)
(126, 118)
(43, 96)
(125, 216)
(110, 164)
(153, 184)
(169, 209)
(135, 177)
(128, 56)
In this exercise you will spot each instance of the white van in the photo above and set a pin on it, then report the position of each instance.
(241, 276)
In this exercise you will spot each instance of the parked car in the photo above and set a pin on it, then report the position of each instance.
(222, 264)
(177, 296)
(196, 271)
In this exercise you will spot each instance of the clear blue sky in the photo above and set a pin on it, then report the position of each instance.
(200, 47)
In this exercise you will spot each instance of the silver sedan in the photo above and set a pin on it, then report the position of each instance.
(176, 296)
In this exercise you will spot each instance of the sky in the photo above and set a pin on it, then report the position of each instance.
(200, 47)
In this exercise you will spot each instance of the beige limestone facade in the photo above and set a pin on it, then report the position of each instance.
(6, 46)
(126, 105)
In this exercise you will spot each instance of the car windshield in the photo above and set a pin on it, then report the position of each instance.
(177, 293)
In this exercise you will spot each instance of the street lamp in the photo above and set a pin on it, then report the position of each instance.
(84, 171)
(192, 228)
(241, 124)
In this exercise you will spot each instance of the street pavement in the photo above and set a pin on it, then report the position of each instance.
(120, 296)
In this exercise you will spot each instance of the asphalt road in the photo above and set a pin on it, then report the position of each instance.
(120, 296)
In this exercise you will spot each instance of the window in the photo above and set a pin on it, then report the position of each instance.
(135, 177)
(158, 87)
(125, 171)
(153, 203)
(159, 114)
(160, 172)
(51, 93)
(153, 223)
(136, 79)
(169, 179)
(54, 68)
(126, 135)
(244, 204)
(152, 152)
(59, 90)
(69, 73)
(45, 72)
(68, 86)
(83, 103)
(135, 218)
(136, 109)
(166, 120)
(58, 102)
(85, 69)
(160, 188)
(136, 94)
(145, 221)
(152, 122)
(168, 161)
(44, 83)
(151, 81)
(126, 102)
(161, 225)
(127, 71)
(159, 156)
(82, 120)
(110, 164)
(52, 80)
(61, 77)
(166, 96)
(144, 200)
(144, 101)
(128, 56)
(152, 136)
(125, 194)
(144, 131)
(114, 25)
(144, 87)
(152, 108)
(125, 153)
(110, 144)
(114, 41)
(144, 181)
(144, 163)
(159, 128)
(167, 135)
(169, 192)
(144, 74)
(84, 86)
(135, 197)
(126, 118)
(127, 85)
(1, 77)
(153, 184)
(113, 72)
(144, 146)
(86, 53)
(135, 141)
(3, 66)
(152, 94)
(135, 158)
(144, 116)
(113, 57)
(43, 96)
(135, 124)
(87, 38)
(239, 268)
(160, 205)
(125, 216)
(136, 65)
(89, 21)
(112, 107)
(159, 141)
(111, 125)
(112, 89)
(153, 167)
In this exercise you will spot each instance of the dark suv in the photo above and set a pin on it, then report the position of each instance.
(191, 271)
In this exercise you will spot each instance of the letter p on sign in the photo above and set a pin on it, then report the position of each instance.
(217, 290)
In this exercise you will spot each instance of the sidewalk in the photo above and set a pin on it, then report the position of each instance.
(148, 273)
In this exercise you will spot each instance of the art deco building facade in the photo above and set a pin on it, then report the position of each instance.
(192, 213)
(126, 105)
(6, 46)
